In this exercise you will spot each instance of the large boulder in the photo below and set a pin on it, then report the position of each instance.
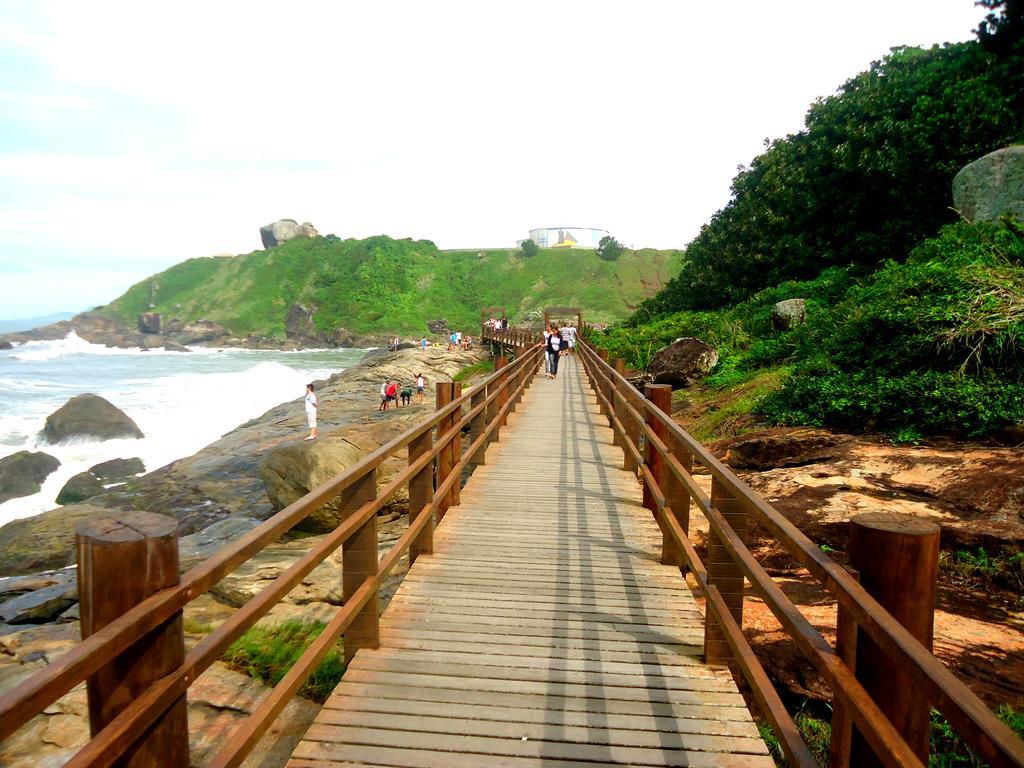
(89, 416)
(292, 470)
(23, 473)
(149, 322)
(789, 448)
(991, 186)
(44, 541)
(283, 230)
(788, 314)
(80, 487)
(438, 326)
(4, 344)
(117, 470)
(683, 361)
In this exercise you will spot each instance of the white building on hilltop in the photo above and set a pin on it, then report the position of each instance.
(567, 237)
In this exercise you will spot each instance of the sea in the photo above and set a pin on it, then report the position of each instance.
(181, 401)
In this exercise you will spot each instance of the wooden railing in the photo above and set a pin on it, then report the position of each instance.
(142, 719)
(663, 455)
(515, 338)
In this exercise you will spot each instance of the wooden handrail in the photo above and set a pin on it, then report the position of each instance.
(974, 721)
(31, 696)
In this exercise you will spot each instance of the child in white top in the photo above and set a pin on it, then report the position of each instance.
(311, 412)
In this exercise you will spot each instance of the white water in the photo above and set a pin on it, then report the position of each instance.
(181, 402)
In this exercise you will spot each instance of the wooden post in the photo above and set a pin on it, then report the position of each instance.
(421, 491)
(123, 558)
(724, 573)
(444, 393)
(478, 423)
(455, 450)
(499, 363)
(898, 558)
(677, 500)
(358, 563)
(616, 408)
(660, 396)
(842, 723)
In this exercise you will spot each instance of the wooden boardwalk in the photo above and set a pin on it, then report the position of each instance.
(543, 630)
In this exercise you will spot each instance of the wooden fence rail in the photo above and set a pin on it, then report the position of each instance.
(664, 455)
(482, 412)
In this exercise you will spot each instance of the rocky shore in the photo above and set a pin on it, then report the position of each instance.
(155, 332)
(217, 495)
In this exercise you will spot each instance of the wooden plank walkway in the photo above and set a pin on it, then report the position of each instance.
(543, 630)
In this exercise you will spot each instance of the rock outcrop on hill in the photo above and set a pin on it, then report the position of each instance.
(89, 416)
(283, 230)
(788, 314)
(992, 186)
(22, 473)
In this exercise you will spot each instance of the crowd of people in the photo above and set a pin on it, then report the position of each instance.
(557, 342)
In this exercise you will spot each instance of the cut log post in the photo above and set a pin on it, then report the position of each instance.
(724, 573)
(358, 563)
(123, 558)
(421, 493)
(660, 396)
(898, 558)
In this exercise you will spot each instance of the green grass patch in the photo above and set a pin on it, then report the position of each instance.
(193, 627)
(719, 410)
(477, 369)
(267, 653)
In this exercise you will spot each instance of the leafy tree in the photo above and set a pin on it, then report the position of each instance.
(610, 249)
(528, 249)
(1003, 27)
(867, 179)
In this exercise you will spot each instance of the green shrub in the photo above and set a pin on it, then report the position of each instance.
(267, 653)
(609, 248)
(528, 249)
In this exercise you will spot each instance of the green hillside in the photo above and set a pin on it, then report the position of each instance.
(382, 285)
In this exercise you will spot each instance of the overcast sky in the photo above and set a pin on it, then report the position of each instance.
(135, 135)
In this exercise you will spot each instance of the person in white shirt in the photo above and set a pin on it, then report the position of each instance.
(547, 356)
(311, 411)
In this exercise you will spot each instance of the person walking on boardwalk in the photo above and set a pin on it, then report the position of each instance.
(311, 412)
(555, 345)
(547, 357)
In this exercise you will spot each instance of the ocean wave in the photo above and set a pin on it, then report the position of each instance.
(72, 344)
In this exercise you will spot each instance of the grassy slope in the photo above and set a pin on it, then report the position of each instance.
(388, 286)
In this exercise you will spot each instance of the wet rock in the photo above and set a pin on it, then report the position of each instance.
(149, 322)
(43, 541)
(788, 314)
(173, 346)
(40, 605)
(283, 230)
(992, 186)
(788, 449)
(4, 344)
(198, 546)
(80, 487)
(683, 361)
(116, 470)
(22, 473)
(292, 470)
(89, 416)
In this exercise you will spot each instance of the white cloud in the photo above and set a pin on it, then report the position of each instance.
(162, 134)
